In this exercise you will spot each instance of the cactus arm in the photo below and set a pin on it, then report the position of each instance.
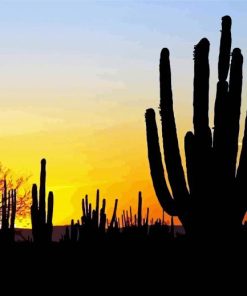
(225, 48)
(8, 209)
(169, 133)
(156, 166)
(222, 86)
(114, 215)
(103, 205)
(139, 209)
(42, 213)
(189, 143)
(4, 204)
(83, 207)
(34, 211)
(220, 131)
(200, 95)
(227, 116)
(48, 225)
(97, 209)
(102, 216)
(35, 197)
(50, 208)
(86, 204)
(222, 148)
(235, 91)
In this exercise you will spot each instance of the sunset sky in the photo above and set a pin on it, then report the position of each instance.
(76, 78)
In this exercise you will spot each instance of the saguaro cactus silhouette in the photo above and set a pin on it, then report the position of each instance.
(8, 213)
(42, 224)
(216, 200)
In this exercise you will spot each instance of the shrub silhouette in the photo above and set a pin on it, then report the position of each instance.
(216, 201)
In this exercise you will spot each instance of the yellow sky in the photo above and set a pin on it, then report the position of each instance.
(79, 162)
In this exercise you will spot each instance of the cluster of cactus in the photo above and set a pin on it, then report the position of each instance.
(141, 226)
(8, 213)
(216, 200)
(94, 224)
(93, 221)
(41, 223)
(137, 221)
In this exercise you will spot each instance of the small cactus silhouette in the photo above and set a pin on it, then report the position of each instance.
(8, 214)
(41, 223)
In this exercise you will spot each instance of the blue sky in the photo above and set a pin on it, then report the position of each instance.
(112, 35)
(58, 58)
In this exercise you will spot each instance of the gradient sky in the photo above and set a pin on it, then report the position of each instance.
(76, 78)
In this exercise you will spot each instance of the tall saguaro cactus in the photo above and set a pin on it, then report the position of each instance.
(42, 223)
(216, 200)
